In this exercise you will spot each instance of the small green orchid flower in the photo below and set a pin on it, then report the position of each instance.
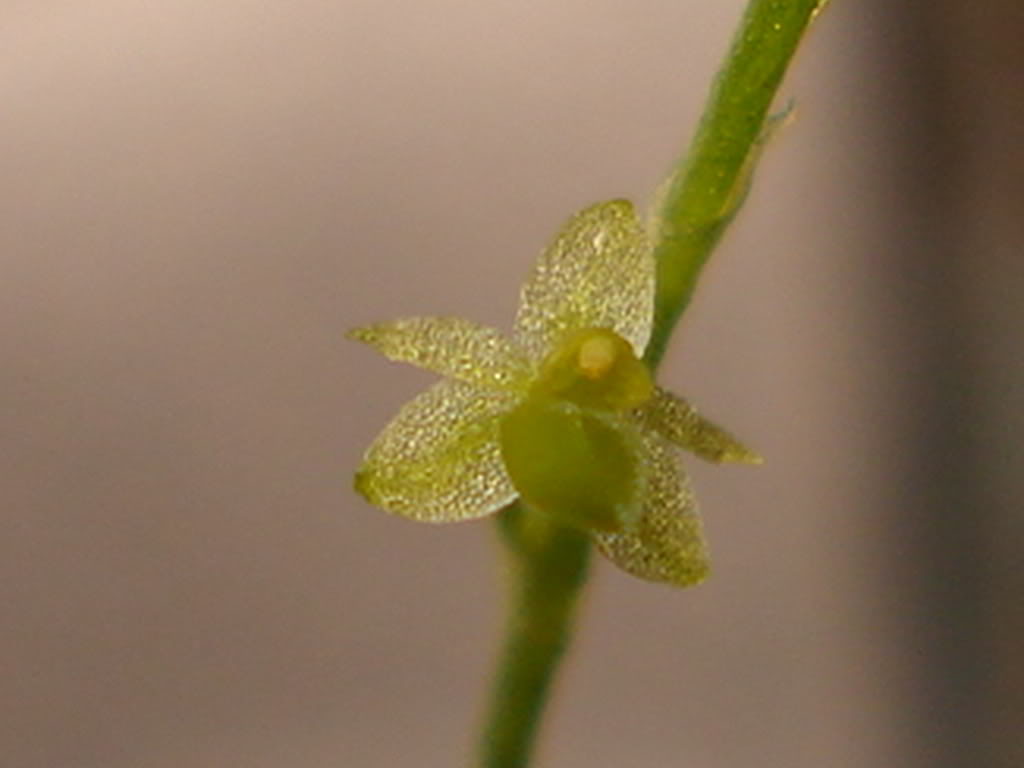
(563, 414)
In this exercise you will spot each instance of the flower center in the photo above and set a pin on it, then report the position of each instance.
(594, 368)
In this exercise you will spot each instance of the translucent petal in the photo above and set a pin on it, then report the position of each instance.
(452, 347)
(439, 460)
(598, 273)
(676, 420)
(667, 542)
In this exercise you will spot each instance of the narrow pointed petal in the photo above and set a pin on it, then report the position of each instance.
(677, 421)
(452, 347)
(666, 543)
(598, 273)
(439, 460)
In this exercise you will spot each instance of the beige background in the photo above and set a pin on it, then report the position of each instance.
(197, 198)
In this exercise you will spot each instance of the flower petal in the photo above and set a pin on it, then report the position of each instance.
(667, 542)
(439, 460)
(677, 421)
(598, 273)
(452, 347)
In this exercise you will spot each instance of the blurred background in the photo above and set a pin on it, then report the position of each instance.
(197, 199)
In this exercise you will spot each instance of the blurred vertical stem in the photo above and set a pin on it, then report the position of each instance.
(547, 568)
(700, 197)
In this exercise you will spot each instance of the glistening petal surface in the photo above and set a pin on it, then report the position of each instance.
(677, 421)
(667, 542)
(598, 273)
(452, 347)
(439, 460)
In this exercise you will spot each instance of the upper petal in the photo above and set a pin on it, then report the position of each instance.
(452, 347)
(667, 542)
(676, 420)
(598, 273)
(439, 459)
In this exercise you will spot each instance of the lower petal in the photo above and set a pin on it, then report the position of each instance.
(666, 543)
(439, 460)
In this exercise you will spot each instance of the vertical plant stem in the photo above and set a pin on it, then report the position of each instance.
(547, 570)
(707, 187)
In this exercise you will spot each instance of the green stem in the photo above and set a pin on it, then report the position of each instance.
(549, 563)
(707, 187)
(548, 566)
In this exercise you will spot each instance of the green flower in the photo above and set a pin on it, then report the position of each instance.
(563, 414)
